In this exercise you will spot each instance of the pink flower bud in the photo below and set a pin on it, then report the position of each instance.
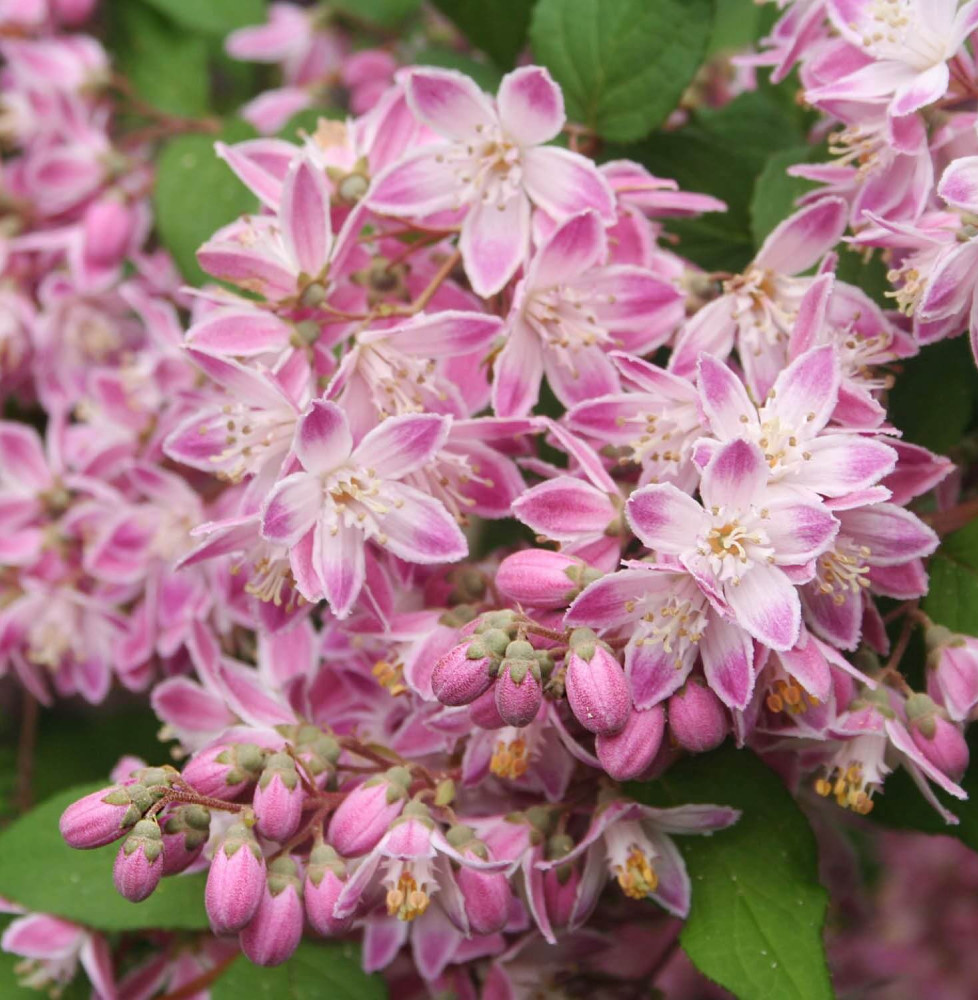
(365, 814)
(278, 799)
(483, 711)
(697, 719)
(235, 881)
(186, 829)
(939, 740)
(73, 12)
(224, 772)
(560, 884)
(276, 928)
(628, 753)
(596, 687)
(487, 896)
(539, 578)
(139, 864)
(518, 687)
(463, 673)
(107, 228)
(104, 816)
(952, 677)
(325, 878)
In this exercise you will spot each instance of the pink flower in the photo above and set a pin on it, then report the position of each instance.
(492, 164)
(345, 495)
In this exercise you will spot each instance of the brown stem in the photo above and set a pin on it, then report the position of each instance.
(892, 665)
(201, 983)
(355, 746)
(946, 522)
(193, 798)
(25, 752)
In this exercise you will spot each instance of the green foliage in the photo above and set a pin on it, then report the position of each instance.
(498, 29)
(383, 13)
(196, 194)
(775, 192)
(485, 74)
(953, 596)
(316, 970)
(40, 872)
(165, 64)
(742, 136)
(756, 920)
(623, 64)
(215, 17)
(933, 401)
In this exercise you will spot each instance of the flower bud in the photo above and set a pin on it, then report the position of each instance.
(939, 740)
(278, 799)
(318, 752)
(365, 814)
(483, 711)
(952, 677)
(628, 753)
(224, 772)
(325, 878)
(697, 719)
(235, 881)
(274, 932)
(518, 688)
(540, 578)
(73, 12)
(465, 671)
(186, 828)
(487, 896)
(597, 691)
(560, 884)
(138, 866)
(107, 227)
(104, 816)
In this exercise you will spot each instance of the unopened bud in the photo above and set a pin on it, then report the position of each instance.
(235, 881)
(186, 829)
(224, 772)
(697, 719)
(519, 693)
(463, 673)
(139, 864)
(597, 691)
(488, 897)
(273, 934)
(278, 799)
(540, 578)
(938, 739)
(483, 711)
(104, 816)
(628, 753)
(365, 814)
(325, 878)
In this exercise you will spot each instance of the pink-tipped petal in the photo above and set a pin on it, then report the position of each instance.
(664, 518)
(419, 529)
(449, 102)
(304, 214)
(322, 438)
(728, 662)
(766, 604)
(291, 508)
(404, 444)
(798, 242)
(563, 183)
(494, 243)
(531, 106)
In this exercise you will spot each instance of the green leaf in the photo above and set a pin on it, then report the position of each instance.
(42, 873)
(756, 920)
(166, 66)
(498, 29)
(486, 75)
(196, 194)
(736, 25)
(316, 970)
(215, 17)
(385, 13)
(775, 191)
(953, 596)
(623, 64)
(933, 401)
(742, 136)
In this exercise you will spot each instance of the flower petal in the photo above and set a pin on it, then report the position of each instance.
(531, 106)
(404, 444)
(304, 215)
(665, 518)
(798, 242)
(734, 476)
(565, 508)
(291, 508)
(728, 662)
(322, 438)
(573, 247)
(449, 102)
(563, 183)
(766, 604)
(418, 528)
(495, 241)
(338, 558)
(725, 401)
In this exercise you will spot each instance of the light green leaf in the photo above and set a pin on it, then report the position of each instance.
(623, 64)
(953, 596)
(216, 17)
(316, 970)
(385, 13)
(42, 873)
(166, 66)
(756, 920)
(498, 29)
(775, 191)
(196, 194)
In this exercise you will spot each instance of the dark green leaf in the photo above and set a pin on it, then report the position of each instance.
(933, 400)
(385, 13)
(42, 873)
(756, 920)
(166, 65)
(775, 191)
(486, 75)
(498, 29)
(216, 17)
(196, 194)
(623, 64)
(316, 970)
(736, 25)
(953, 596)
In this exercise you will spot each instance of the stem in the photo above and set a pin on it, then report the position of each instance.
(426, 296)
(25, 752)
(201, 983)
(890, 670)
(945, 522)
(355, 746)
(176, 795)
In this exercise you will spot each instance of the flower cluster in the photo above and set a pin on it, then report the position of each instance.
(268, 502)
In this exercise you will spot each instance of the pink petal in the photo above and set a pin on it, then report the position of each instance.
(654, 674)
(241, 332)
(837, 622)
(923, 89)
(246, 267)
(892, 534)
(805, 393)
(766, 604)
(844, 463)
(419, 529)
(531, 106)
(404, 444)
(444, 334)
(575, 246)
(322, 438)
(807, 664)
(735, 475)
(725, 401)
(434, 942)
(304, 215)
(518, 373)
(563, 183)
(674, 891)
(959, 184)
(799, 531)
(665, 518)
(811, 315)
(494, 243)
(952, 283)
(564, 508)
(593, 375)
(185, 705)
(338, 558)
(449, 102)
(22, 456)
(796, 244)
(635, 304)
(39, 935)
(728, 662)
(291, 508)
(603, 604)
(417, 184)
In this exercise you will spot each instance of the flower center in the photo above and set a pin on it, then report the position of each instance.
(843, 570)
(787, 695)
(250, 435)
(510, 759)
(898, 31)
(405, 900)
(390, 676)
(636, 876)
